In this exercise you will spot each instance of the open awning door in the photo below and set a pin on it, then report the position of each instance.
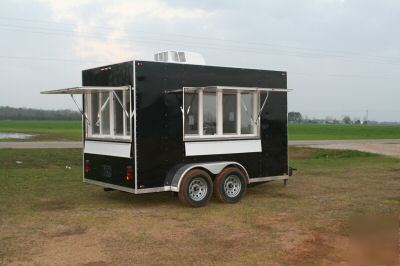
(228, 89)
(233, 88)
(86, 90)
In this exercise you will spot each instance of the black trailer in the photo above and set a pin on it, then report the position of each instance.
(191, 129)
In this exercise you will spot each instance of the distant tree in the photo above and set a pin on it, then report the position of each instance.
(11, 113)
(346, 119)
(295, 117)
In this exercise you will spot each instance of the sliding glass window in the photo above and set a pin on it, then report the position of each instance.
(220, 114)
(109, 115)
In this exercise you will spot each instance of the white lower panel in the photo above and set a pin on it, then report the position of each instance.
(108, 148)
(153, 189)
(222, 147)
(107, 185)
(268, 178)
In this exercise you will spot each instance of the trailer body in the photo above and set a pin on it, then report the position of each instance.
(155, 150)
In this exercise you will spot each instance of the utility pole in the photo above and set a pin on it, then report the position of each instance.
(366, 117)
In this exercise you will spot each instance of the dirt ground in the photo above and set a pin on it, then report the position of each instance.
(384, 147)
(52, 218)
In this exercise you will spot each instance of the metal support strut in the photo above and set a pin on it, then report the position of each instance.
(80, 111)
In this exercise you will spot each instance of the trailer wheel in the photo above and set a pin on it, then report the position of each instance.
(230, 185)
(196, 188)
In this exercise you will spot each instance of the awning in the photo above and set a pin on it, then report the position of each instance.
(86, 89)
(228, 88)
(233, 88)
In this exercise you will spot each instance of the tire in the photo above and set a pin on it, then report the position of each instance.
(196, 188)
(230, 185)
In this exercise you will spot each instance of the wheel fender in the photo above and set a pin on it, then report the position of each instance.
(175, 175)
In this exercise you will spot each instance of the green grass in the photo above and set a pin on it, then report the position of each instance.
(47, 213)
(44, 129)
(342, 132)
(71, 130)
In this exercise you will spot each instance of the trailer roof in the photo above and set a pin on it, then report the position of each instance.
(86, 89)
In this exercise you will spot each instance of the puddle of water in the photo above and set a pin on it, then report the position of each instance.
(13, 135)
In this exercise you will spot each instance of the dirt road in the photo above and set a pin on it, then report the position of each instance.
(389, 147)
(40, 144)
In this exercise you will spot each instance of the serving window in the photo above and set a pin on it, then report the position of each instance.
(108, 115)
(220, 114)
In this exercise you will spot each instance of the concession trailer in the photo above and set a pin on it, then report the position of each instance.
(194, 129)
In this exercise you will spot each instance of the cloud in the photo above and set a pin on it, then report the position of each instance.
(113, 18)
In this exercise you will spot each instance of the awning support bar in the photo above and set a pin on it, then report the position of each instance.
(101, 110)
(120, 103)
(251, 117)
(81, 111)
(262, 107)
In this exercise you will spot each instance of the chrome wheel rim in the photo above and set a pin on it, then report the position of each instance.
(198, 189)
(232, 186)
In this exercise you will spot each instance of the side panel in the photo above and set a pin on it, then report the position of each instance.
(105, 168)
(160, 143)
(117, 149)
(196, 148)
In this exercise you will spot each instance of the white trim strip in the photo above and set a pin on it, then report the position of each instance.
(169, 188)
(133, 127)
(219, 115)
(268, 178)
(107, 185)
(200, 111)
(153, 189)
(195, 148)
(129, 190)
(117, 149)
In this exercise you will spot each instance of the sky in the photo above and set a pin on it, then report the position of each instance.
(342, 56)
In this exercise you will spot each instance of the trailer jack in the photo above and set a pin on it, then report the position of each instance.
(291, 169)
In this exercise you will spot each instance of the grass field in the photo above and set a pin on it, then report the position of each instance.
(48, 216)
(71, 130)
(333, 132)
(45, 129)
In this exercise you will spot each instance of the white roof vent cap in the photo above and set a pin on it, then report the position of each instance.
(182, 57)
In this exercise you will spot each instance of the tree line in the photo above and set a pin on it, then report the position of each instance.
(12, 113)
(297, 117)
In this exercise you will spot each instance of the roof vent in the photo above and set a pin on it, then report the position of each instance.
(180, 57)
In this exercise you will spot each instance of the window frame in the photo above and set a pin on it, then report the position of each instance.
(219, 116)
(126, 137)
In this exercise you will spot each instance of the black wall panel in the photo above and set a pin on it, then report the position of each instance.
(160, 143)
